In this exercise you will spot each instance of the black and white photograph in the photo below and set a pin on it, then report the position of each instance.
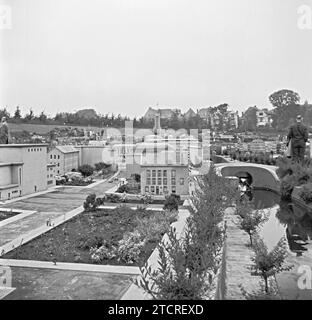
(155, 151)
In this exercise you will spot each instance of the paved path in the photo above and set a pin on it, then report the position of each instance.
(50, 205)
(48, 284)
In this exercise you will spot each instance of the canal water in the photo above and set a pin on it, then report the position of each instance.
(285, 219)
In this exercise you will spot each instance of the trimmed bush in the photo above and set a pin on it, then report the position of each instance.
(86, 170)
(172, 203)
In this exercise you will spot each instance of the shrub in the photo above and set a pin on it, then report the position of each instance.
(251, 222)
(137, 178)
(92, 202)
(153, 227)
(146, 199)
(86, 170)
(171, 203)
(88, 242)
(267, 263)
(246, 158)
(114, 198)
(173, 280)
(105, 251)
(244, 207)
(287, 186)
(306, 193)
(123, 188)
(186, 265)
(130, 246)
(101, 166)
(284, 167)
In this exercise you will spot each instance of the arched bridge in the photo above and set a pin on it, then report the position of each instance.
(262, 176)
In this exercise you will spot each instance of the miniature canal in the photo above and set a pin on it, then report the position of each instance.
(285, 219)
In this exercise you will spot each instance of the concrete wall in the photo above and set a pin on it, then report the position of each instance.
(32, 175)
(94, 154)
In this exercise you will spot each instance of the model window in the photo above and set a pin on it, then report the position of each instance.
(146, 189)
(173, 173)
(148, 173)
(165, 181)
(159, 181)
(173, 181)
(153, 173)
(148, 181)
(152, 189)
(181, 181)
(165, 173)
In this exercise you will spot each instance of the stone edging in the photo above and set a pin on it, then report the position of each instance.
(71, 266)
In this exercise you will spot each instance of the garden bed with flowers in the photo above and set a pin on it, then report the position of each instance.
(120, 236)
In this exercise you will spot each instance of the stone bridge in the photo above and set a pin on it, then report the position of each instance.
(261, 176)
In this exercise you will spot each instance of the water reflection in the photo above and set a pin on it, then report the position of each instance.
(295, 220)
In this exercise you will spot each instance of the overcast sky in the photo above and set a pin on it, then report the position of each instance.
(123, 56)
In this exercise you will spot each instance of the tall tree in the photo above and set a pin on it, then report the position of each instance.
(284, 98)
(30, 115)
(4, 113)
(17, 113)
(43, 117)
(250, 119)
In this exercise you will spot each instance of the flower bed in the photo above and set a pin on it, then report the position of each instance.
(7, 214)
(118, 237)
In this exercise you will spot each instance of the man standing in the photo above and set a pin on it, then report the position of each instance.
(4, 131)
(298, 134)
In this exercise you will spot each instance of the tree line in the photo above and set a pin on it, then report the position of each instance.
(286, 106)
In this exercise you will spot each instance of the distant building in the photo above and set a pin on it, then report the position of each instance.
(66, 158)
(190, 114)
(229, 120)
(23, 169)
(165, 179)
(204, 113)
(264, 118)
(233, 119)
(163, 113)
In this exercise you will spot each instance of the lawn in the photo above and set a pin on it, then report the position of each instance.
(7, 214)
(76, 239)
